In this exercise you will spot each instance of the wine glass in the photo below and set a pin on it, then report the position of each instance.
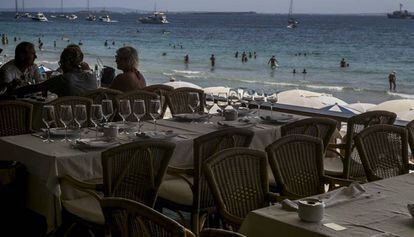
(246, 98)
(138, 109)
(66, 116)
(48, 118)
(107, 109)
(124, 112)
(155, 111)
(259, 98)
(234, 99)
(80, 117)
(273, 100)
(209, 103)
(193, 103)
(222, 102)
(96, 117)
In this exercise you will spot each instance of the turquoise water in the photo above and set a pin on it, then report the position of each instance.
(373, 45)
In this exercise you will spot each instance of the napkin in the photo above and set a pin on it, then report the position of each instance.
(335, 197)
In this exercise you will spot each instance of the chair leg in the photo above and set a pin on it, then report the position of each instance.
(195, 227)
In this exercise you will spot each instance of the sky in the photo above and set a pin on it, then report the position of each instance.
(261, 6)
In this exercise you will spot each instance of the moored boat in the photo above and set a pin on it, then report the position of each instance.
(39, 17)
(156, 18)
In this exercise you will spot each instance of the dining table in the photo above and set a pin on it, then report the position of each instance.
(379, 211)
(46, 162)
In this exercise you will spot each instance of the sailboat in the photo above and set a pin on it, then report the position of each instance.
(90, 16)
(292, 22)
(17, 15)
(62, 15)
(156, 18)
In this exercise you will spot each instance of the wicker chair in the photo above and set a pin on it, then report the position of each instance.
(139, 95)
(15, 118)
(127, 218)
(239, 183)
(188, 189)
(178, 100)
(384, 151)
(219, 233)
(352, 166)
(71, 100)
(410, 129)
(162, 91)
(133, 171)
(297, 164)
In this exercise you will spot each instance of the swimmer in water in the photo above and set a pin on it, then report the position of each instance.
(272, 61)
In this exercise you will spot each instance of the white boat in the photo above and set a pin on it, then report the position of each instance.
(105, 18)
(156, 18)
(91, 17)
(72, 17)
(39, 17)
(292, 22)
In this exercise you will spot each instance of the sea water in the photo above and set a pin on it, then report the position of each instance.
(372, 45)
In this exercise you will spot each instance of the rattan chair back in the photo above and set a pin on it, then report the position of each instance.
(384, 151)
(239, 182)
(105, 94)
(139, 95)
(73, 101)
(178, 100)
(206, 146)
(135, 170)
(353, 168)
(15, 118)
(322, 128)
(219, 233)
(127, 218)
(162, 91)
(297, 165)
(410, 129)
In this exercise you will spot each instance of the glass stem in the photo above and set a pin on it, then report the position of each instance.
(155, 125)
(48, 134)
(139, 127)
(96, 131)
(80, 131)
(66, 133)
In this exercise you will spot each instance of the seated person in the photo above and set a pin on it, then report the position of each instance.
(73, 82)
(21, 70)
(131, 79)
(84, 65)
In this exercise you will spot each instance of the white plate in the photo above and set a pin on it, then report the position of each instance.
(60, 132)
(97, 144)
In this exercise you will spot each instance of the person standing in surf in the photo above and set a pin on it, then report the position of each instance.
(392, 78)
(213, 60)
(272, 61)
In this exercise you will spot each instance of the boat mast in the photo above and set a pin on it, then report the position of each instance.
(17, 7)
(61, 6)
(155, 6)
(291, 8)
(89, 7)
(401, 6)
(23, 8)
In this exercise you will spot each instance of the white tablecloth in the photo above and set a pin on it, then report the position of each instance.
(385, 211)
(46, 162)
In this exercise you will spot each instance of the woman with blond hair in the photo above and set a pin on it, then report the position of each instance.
(130, 79)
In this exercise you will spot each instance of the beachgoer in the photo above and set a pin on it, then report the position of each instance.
(272, 61)
(172, 79)
(84, 66)
(106, 43)
(244, 57)
(15, 39)
(236, 55)
(186, 59)
(250, 54)
(213, 60)
(294, 71)
(343, 63)
(164, 54)
(72, 82)
(21, 70)
(80, 43)
(130, 79)
(304, 71)
(254, 55)
(392, 78)
(113, 43)
(54, 44)
(40, 46)
(39, 40)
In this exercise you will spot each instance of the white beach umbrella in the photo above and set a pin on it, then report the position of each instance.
(306, 98)
(216, 90)
(406, 115)
(179, 84)
(339, 108)
(360, 107)
(396, 106)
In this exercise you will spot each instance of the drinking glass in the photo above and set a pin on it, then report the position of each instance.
(96, 117)
(48, 118)
(66, 117)
(209, 104)
(107, 109)
(193, 103)
(80, 117)
(259, 98)
(222, 102)
(138, 109)
(124, 112)
(273, 100)
(155, 111)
